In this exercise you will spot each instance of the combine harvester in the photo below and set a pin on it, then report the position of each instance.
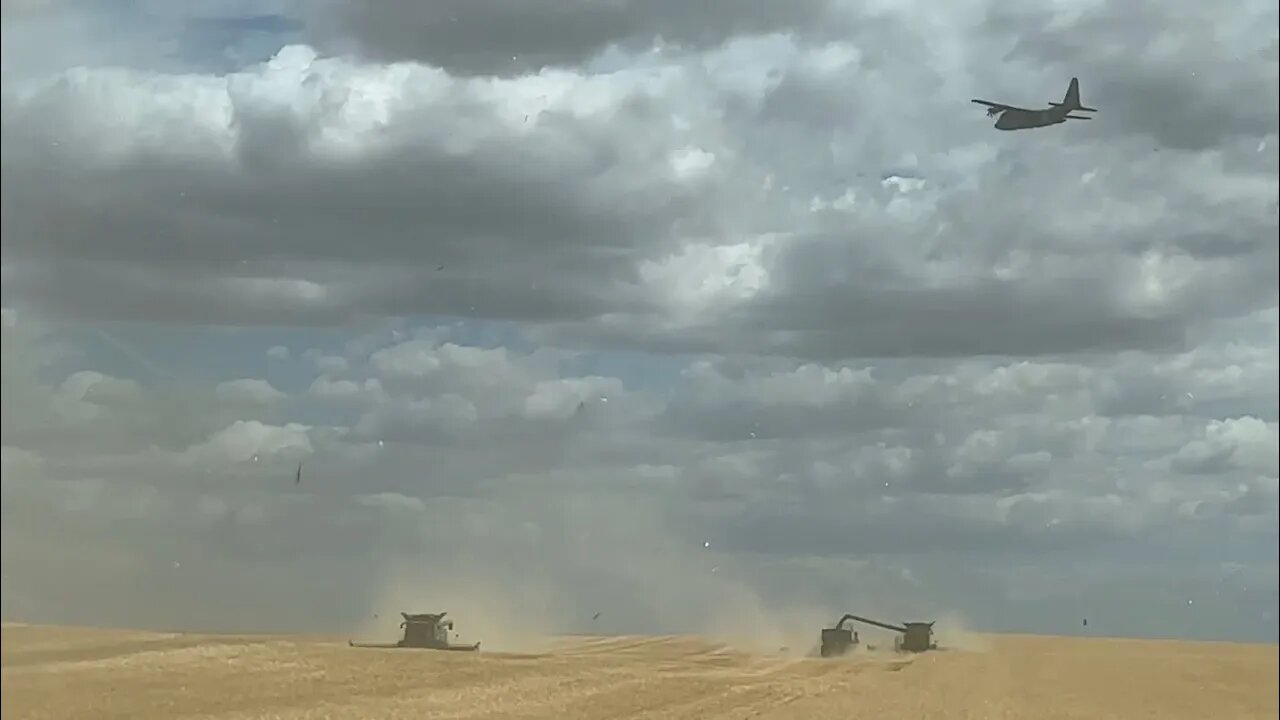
(428, 631)
(913, 637)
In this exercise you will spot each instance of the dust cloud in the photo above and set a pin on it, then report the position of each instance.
(620, 567)
(502, 617)
(953, 632)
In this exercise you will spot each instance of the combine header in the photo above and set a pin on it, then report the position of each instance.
(423, 630)
(913, 636)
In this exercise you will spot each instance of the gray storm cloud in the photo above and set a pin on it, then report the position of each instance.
(746, 299)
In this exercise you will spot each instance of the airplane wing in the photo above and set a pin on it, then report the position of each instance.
(1001, 106)
(997, 108)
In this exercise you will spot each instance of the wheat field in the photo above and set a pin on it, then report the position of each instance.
(60, 673)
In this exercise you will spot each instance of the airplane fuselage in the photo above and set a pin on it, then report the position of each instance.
(1026, 119)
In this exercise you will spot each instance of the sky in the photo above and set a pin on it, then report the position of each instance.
(699, 316)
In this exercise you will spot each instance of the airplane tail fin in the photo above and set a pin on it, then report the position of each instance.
(1071, 101)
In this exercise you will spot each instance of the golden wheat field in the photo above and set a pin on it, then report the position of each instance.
(57, 672)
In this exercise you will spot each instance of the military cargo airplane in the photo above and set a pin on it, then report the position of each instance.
(1016, 118)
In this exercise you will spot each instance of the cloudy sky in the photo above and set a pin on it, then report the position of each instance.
(689, 314)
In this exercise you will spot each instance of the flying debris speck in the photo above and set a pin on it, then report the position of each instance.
(706, 544)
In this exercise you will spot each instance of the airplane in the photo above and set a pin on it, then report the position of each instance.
(1016, 118)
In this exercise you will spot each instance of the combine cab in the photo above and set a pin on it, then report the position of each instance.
(424, 630)
(913, 636)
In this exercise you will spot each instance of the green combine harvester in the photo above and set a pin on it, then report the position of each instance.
(428, 631)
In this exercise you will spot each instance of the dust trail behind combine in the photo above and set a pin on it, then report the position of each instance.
(69, 672)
